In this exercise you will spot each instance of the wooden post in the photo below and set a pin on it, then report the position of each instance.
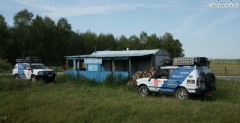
(78, 67)
(66, 64)
(129, 66)
(225, 70)
(113, 69)
(113, 65)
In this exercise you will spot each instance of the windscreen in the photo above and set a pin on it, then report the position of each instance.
(38, 66)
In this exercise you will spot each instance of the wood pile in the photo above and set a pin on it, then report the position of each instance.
(141, 74)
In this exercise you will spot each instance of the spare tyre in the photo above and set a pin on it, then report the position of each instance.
(210, 81)
(202, 77)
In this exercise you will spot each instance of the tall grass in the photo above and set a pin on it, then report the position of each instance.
(75, 101)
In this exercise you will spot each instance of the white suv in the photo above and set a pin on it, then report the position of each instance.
(32, 69)
(180, 76)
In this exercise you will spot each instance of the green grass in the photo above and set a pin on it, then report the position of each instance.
(72, 101)
(231, 69)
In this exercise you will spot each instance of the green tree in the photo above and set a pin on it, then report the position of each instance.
(37, 36)
(22, 22)
(89, 42)
(63, 36)
(122, 43)
(106, 42)
(4, 37)
(173, 46)
(64, 25)
(134, 43)
(50, 41)
(143, 37)
(153, 42)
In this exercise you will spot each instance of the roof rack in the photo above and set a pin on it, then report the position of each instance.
(29, 60)
(191, 61)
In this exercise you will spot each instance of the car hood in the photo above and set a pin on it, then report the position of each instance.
(42, 70)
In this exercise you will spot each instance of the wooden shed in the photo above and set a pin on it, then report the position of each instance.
(100, 64)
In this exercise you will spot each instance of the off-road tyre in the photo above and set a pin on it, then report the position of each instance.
(16, 76)
(144, 91)
(182, 94)
(33, 78)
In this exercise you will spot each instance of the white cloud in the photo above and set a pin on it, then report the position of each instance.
(67, 11)
(165, 4)
(44, 7)
(81, 9)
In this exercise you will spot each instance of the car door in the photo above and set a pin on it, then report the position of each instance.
(21, 72)
(169, 85)
(157, 81)
(24, 71)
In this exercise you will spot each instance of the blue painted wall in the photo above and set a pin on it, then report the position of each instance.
(99, 76)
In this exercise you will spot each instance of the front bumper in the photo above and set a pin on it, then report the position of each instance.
(46, 76)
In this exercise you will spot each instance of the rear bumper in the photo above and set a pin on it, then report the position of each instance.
(200, 91)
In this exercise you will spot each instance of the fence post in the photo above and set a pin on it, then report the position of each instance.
(225, 72)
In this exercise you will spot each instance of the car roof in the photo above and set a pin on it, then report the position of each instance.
(169, 67)
(31, 63)
(176, 67)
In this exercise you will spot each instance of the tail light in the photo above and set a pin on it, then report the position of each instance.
(192, 82)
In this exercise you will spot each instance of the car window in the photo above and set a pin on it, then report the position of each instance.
(204, 69)
(26, 66)
(162, 74)
(38, 66)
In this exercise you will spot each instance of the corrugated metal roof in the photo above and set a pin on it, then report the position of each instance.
(122, 53)
(133, 52)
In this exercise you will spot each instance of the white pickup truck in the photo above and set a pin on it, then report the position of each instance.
(32, 69)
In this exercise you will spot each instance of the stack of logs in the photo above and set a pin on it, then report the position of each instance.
(141, 74)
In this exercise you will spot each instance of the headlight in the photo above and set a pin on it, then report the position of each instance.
(40, 73)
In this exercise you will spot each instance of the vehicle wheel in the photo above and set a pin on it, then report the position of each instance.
(144, 91)
(210, 81)
(182, 94)
(33, 78)
(16, 76)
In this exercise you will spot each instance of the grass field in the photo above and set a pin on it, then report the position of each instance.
(72, 101)
(226, 69)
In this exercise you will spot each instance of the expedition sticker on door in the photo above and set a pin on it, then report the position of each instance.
(21, 71)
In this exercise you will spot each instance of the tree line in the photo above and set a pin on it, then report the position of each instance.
(40, 36)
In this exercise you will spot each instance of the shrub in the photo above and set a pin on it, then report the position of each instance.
(5, 66)
(119, 79)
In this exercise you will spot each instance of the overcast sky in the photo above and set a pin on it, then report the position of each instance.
(208, 28)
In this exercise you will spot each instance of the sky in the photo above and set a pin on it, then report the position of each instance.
(209, 28)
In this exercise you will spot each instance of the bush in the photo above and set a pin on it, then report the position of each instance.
(57, 69)
(5, 66)
(119, 79)
(74, 79)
